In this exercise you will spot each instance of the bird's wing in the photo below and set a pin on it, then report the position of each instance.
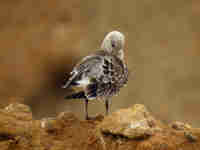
(113, 76)
(88, 68)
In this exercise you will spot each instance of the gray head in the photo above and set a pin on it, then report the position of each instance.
(114, 43)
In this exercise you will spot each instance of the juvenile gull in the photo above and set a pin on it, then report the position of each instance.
(101, 74)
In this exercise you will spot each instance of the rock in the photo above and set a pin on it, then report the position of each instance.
(190, 137)
(67, 132)
(177, 125)
(19, 111)
(48, 123)
(66, 116)
(52, 124)
(134, 122)
(186, 128)
(18, 128)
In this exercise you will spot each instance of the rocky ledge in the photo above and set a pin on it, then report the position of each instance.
(131, 128)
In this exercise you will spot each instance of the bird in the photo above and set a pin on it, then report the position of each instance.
(101, 74)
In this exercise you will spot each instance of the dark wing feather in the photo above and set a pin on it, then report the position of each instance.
(103, 82)
(89, 66)
(106, 74)
(114, 76)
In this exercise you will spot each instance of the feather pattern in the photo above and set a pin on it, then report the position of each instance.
(101, 74)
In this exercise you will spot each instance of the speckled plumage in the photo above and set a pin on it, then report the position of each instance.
(101, 74)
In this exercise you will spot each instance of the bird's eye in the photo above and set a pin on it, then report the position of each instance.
(113, 45)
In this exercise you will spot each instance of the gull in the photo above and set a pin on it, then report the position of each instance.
(102, 74)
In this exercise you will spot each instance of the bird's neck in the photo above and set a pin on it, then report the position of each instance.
(120, 54)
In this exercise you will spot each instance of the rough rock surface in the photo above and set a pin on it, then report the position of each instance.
(135, 122)
(132, 128)
(180, 125)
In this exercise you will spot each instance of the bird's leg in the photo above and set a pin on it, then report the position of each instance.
(107, 106)
(86, 109)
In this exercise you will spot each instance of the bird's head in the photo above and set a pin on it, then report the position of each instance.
(114, 43)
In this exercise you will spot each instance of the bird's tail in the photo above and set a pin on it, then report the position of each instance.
(78, 95)
(66, 85)
(70, 81)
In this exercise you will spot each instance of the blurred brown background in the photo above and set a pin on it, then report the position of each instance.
(41, 40)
